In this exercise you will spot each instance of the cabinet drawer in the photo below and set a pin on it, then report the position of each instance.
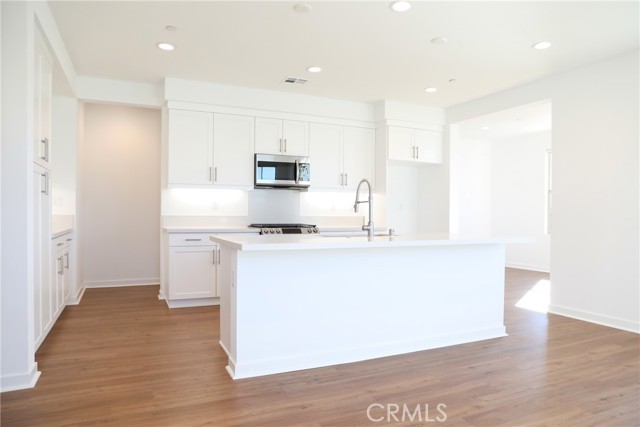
(190, 239)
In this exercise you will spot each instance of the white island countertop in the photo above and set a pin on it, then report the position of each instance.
(250, 242)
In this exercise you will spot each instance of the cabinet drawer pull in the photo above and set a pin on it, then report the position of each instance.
(192, 240)
(45, 156)
(60, 244)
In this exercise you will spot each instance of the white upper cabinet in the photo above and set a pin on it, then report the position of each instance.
(340, 156)
(358, 155)
(414, 145)
(286, 137)
(43, 77)
(190, 157)
(233, 149)
(325, 152)
(210, 149)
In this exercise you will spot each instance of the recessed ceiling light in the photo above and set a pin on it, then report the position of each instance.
(542, 45)
(301, 8)
(400, 5)
(439, 40)
(485, 128)
(314, 69)
(170, 28)
(165, 46)
(431, 89)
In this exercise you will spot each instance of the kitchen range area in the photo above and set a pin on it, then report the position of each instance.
(435, 210)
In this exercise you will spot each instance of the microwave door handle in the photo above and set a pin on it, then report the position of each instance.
(297, 172)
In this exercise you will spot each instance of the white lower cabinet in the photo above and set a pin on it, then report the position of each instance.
(51, 293)
(193, 261)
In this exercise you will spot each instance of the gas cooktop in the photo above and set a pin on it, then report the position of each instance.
(286, 228)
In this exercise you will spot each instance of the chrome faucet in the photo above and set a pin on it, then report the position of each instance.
(368, 227)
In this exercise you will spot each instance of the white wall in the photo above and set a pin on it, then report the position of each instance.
(64, 136)
(595, 250)
(470, 187)
(402, 198)
(518, 197)
(120, 195)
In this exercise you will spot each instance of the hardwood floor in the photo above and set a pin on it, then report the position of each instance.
(121, 358)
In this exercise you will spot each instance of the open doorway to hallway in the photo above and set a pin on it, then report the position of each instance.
(501, 181)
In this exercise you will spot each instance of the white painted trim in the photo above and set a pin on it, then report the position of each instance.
(212, 108)
(20, 381)
(122, 283)
(356, 354)
(119, 92)
(529, 267)
(192, 302)
(76, 300)
(413, 125)
(612, 322)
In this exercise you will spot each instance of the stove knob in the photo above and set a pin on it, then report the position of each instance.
(315, 230)
(278, 231)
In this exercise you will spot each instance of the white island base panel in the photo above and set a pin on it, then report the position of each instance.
(287, 310)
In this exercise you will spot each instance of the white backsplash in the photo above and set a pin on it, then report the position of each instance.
(241, 207)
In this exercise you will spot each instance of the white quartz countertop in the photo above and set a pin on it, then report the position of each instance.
(212, 229)
(252, 242)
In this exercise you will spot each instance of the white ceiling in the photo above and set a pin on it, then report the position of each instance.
(367, 52)
(514, 122)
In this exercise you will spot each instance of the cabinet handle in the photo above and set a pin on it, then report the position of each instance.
(213, 257)
(210, 174)
(192, 240)
(67, 264)
(45, 142)
(69, 239)
(215, 174)
(346, 179)
(285, 145)
(60, 266)
(45, 190)
(417, 152)
(413, 152)
(219, 252)
(281, 150)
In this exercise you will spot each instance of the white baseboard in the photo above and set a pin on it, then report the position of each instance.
(76, 300)
(612, 322)
(193, 302)
(20, 381)
(122, 282)
(531, 267)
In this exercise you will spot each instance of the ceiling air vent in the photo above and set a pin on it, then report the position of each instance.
(295, 80)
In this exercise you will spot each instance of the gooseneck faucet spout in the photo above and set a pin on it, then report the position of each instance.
(369, 226)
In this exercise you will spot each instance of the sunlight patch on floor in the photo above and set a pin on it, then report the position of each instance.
(537, 299)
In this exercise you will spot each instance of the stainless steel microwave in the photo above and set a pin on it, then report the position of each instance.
(274, 171)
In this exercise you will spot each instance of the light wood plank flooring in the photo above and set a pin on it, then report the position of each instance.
(121, 358)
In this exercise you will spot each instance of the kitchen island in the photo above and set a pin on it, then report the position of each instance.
(292, 302)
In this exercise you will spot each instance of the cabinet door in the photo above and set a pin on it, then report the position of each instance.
(41, 252)
(295, 137)
(400, 143)
(325, 143)
(57, 283)
(428, 146)
(190, 158)
(358, 156)
(268, 136)
(43, 75)
(233, 149)
(68, 276)
(192, 272)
